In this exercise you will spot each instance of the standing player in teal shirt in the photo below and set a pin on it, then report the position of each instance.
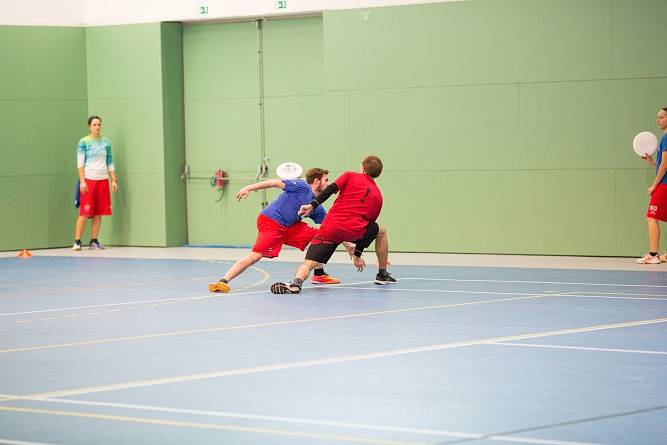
(94, 165)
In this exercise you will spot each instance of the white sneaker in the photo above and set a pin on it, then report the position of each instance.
(649, 259)
(76, 246)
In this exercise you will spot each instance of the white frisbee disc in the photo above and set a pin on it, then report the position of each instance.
(289, 170)
(645, 144)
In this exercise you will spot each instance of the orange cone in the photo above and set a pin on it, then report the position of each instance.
(24, 253)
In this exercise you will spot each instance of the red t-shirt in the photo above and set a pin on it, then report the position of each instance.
(358, 203)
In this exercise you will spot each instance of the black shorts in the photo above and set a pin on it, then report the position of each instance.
(322, 248)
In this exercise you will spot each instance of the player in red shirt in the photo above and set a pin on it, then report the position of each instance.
(351, 218)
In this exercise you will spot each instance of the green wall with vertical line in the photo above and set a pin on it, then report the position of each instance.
(505, 126)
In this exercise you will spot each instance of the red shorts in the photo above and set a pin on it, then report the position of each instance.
(273, 235)
(97, 201)
(657, 208)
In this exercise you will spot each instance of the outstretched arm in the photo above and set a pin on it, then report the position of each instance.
(323, 196)
(269, 183)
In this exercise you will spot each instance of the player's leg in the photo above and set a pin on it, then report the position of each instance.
(237, 269)
(269, 242)
(102, 206)
(657, 211)
(382, 248)
(319, 252)
(78, 231)
(299, 235)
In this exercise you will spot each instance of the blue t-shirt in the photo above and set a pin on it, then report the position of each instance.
(662, 149)
(285, 207)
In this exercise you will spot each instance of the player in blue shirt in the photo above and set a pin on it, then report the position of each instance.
(280, 224)
(657, 208)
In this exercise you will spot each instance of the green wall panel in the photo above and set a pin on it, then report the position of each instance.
(640, 47)
(472, 42)
(308, 129)
(135, 129)
(222, 133)
(52, 214)
(585, 124)
(124, 61)
(174, 133)
(15, 201)
(562, 40)
(293, 57)
(501, 212)
(42, 116)
(425, 129)
(43, 63)
(427, 45)
(40, 136)
(220, 61)
(138, 212)
(227, 222)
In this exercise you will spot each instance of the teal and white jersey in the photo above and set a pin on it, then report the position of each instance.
(94, 155)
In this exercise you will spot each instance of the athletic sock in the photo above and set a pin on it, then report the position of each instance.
(319, 272)
(296, 282)
(382, 271)
(222, 280)
(653, 253)
(94, 240)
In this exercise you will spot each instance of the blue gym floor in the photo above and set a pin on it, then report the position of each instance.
(136, 351)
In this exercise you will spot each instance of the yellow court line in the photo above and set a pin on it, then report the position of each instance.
(209, 426)
(268, 324)
(336, 359)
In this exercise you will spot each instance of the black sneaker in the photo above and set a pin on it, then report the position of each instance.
(284, 288)
(384, 278)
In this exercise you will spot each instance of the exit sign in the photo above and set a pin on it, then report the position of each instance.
(281, 4)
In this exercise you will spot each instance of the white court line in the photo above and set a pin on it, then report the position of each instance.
(536, 282)
(573, 294)
(209, 426)
(536, 441)
(535, 345)
(183, 299)
(335, 359)
(268, 324)
(227, 414)
(296, 420)
(22, 442)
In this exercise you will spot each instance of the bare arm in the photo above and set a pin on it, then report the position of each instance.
(658, 177)
(82, 181)
(269, 183)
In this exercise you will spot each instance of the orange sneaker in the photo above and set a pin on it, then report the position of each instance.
(324, 279)
(219, 286)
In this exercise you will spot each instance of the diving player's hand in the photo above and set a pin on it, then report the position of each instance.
(350, 248)
(243, 193)
(305, 210)
(359, 263)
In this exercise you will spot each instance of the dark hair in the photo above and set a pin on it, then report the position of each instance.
(664, 109)
(372, 166)
(315, 173)
(90, 119)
